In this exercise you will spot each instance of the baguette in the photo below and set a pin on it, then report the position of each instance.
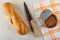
(14, 18)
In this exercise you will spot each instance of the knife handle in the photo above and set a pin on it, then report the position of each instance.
(36, 33)
(14, 18)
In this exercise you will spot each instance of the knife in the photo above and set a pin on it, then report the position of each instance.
(31, 21)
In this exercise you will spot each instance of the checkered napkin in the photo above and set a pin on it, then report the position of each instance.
(54, 6)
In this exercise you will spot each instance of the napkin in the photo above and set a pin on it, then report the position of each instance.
(54, 6)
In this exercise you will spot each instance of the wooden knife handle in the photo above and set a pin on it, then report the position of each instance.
(36, 33)
(15, 19)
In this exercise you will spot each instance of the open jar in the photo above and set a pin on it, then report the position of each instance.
(49, 19)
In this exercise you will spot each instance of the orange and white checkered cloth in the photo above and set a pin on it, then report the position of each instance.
(54, 6)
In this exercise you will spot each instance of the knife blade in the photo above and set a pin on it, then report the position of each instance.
(31, 21)
(27, 12)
